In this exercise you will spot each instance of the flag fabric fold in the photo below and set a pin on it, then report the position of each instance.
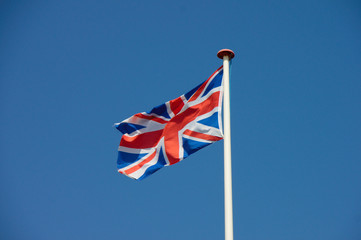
(171, 131)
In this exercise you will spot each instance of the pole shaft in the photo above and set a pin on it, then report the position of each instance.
(228, 205)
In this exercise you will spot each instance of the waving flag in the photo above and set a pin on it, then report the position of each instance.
(171, 131)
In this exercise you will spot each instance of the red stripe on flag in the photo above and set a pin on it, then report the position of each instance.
(141, 164)
(202, 135)
(201, 88)
(176, 105)
(144, 140)
(198, 92)
(150, 117)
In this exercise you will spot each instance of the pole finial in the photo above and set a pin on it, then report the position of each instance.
(225, 52)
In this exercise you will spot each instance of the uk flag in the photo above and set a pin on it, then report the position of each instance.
(171, 131)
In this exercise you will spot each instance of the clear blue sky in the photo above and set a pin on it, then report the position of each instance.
(70, 69)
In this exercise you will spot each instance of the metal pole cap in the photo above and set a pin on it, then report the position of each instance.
(225, 52)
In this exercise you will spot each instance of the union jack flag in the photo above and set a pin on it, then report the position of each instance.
(171, 131)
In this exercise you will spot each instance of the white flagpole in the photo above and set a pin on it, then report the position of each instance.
(227, 55)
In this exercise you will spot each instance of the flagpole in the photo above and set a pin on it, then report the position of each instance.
(227, 55)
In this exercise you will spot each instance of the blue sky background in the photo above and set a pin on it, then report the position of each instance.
(70, 69)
